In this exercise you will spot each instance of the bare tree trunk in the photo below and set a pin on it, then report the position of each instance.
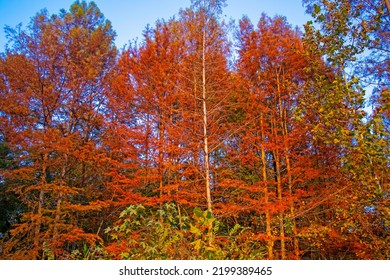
(283, 123)
(161, 155)
(266, 198)
(147, 156)
(279, 191)
(280, 199)
(38, 222)
(205, 136)
(59, 200)
(290, 188)
(205, 133)
(40, 203)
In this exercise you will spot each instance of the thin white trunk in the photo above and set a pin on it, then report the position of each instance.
(205, 138)
(205, 133)
(270, 242)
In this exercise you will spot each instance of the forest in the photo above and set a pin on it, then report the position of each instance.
(206, 139)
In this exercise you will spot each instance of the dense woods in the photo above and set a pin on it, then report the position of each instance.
(204, 140)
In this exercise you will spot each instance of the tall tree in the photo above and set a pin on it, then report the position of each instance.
(55, 74)
(272, 143)
(347, 30)
(147, 81)
(205, 83)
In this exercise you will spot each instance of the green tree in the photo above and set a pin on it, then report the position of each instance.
(354, 34)
(350, 35)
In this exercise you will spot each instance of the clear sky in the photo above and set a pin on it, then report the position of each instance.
(130, 17)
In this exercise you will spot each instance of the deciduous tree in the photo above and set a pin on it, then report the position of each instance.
(52, 103)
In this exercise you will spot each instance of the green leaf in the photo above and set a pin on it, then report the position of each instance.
(317, 9)
(194, 229)
(197, 244)
(198, 212)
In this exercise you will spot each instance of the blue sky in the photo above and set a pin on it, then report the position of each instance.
(130, 17)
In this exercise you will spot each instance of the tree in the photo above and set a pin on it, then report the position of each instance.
(270, 149)
(204, 83)
(146, 102)
(54, 75)
(205, 79)
(355, 34)
(276, 166)
(346, 30)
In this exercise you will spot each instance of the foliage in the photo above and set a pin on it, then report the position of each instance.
(52, 81)
(145, 233)
(142, 233)
(200, 141)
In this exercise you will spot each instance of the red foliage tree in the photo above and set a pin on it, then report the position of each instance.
(52, 115)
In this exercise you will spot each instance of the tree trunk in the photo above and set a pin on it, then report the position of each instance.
(59, 200)
(283, 123)
(40, 203)
(161, 155)
(266, 198)
(290, 188)
(280, 199)
(279, 192)
(205, 135)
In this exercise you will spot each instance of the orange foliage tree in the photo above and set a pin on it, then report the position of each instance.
(275, 167)
(267, 145)
(51, 117)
